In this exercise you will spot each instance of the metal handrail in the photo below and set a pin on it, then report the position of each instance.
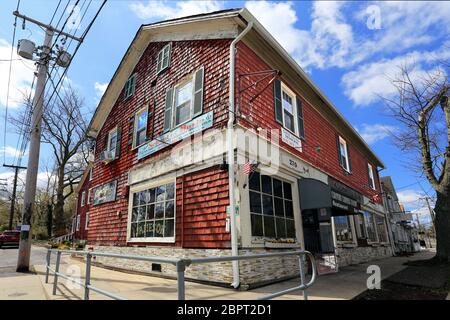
(181, 264)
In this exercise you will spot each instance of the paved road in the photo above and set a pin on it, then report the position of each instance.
(8, 257)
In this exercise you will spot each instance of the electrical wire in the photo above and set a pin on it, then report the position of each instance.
(9, 83)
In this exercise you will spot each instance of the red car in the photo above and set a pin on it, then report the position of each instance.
(9, 238)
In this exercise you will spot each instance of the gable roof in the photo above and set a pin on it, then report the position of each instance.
(238, 18)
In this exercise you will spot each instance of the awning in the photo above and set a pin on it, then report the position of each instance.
(314, 194)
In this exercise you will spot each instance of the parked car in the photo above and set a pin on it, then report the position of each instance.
(9, 238)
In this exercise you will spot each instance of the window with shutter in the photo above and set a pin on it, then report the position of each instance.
(344, 159)
(112, 142)
(184, 101)
(130, 87)
(300, 122)
(289, 112)
(140, 127)
(371, 176)
(163, 59)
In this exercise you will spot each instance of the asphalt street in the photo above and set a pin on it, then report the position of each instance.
(8, 259)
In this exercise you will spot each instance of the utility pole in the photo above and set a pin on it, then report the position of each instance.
(13, 196)
(45, 57)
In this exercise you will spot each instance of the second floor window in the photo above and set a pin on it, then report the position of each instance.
(288, 109)
(371, 176)
(112, 142)
(83, 198)
(140, 125)
(344, 159)
(86, 223)
(184, 101)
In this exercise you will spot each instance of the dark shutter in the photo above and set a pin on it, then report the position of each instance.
(277, 101)
(301, 127)
(133, 84)
(131, 130)
(198, 92)
(338, 145)
(168, 110)
(119, 135)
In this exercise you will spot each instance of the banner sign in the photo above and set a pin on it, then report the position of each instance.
(105, 193)
(291, 139)
(182, 132)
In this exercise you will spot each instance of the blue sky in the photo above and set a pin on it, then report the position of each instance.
(348, 48)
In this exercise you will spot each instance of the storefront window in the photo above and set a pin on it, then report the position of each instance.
(343, 229)
(153, 213)
(359, 226)
(381, 228)
(271, 207)
(370, 227)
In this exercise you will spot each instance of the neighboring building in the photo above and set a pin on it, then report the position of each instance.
(173, 84)
(80, 222)
(403, 234)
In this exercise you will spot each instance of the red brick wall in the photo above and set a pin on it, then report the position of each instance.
(318, 131)
(109, 221)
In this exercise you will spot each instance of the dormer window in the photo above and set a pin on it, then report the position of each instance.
(163, 59)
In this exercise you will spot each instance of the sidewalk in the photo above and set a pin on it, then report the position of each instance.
(20, 286)
(348, 283)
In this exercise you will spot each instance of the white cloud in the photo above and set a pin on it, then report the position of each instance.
(8, 176)
(409, 197)
(375, 132)
(100, 88)
(173, 9)
(370, 81)
(21, 76)
(10, 151)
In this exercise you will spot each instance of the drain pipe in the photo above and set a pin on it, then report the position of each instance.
(231, 166)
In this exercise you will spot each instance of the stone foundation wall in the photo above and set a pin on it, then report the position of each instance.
(349, 256)
(252, 272)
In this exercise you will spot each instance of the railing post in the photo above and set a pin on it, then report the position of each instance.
(49, 252)
(302, 274)
(87, 280)
(55, 280)
(181, 267)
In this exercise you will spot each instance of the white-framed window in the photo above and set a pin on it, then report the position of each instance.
(130, 86)
(112, 142)
(184, 101)
(289, 104)
(371, 176)
(369, 219)
(271, 207)
(153, 213)
(343, 229)
(86, 223)
(89, 197)
(140, 127)
(360, 226)
(91, 173)
(381, 228)
(78, 222)
(163, 58)
(83, 198)
(344, 160)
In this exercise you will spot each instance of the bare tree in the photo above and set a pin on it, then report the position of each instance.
(422, 108)
(64, 129)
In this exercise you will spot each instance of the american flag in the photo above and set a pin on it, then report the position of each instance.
(248, 168)
(376, 197)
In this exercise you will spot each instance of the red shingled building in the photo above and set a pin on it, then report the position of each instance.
(173, 85)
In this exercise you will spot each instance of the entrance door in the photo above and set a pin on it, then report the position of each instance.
(311, 230)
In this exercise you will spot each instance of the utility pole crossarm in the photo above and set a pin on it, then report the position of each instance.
(47, 26)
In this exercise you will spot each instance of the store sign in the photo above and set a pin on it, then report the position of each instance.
(105, 193)
(182, 132)
(344, 198)
(291, 139)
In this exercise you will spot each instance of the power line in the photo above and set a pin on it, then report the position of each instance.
(9, 83)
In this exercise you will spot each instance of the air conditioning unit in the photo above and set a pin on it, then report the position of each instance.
(107, 156)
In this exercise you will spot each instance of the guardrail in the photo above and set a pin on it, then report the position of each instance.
(180, 264)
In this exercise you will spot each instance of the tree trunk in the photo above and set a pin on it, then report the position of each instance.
(442, 225)
(49, 220)
(60, 224)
